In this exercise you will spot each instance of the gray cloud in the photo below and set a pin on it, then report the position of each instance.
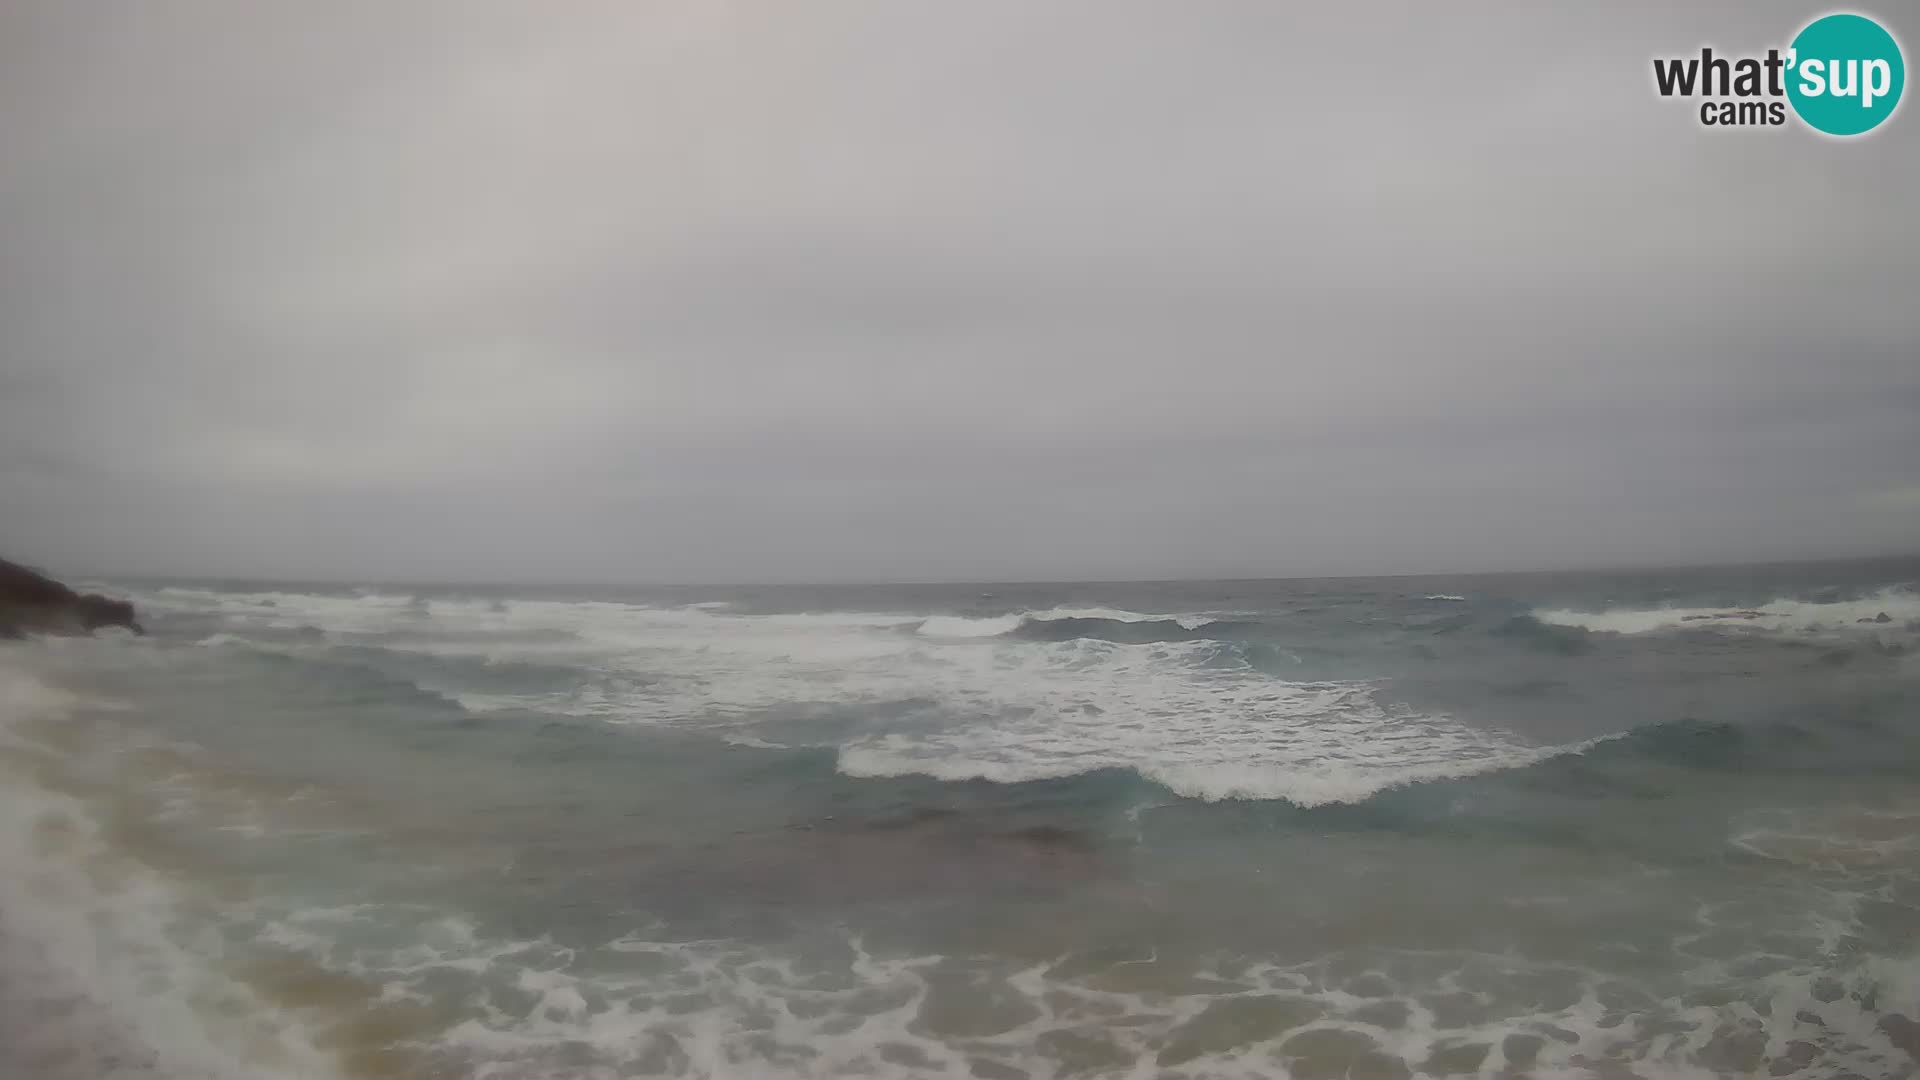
(726, 292)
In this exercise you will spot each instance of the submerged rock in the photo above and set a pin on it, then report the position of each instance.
(32, 603)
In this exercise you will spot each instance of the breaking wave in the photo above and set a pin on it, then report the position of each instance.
(91, 952)
(1306, 784)
(1334, 882)
(1204, 733)
(1063, 623)
(1896, 608)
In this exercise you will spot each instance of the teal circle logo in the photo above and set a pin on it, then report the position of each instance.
(1845, 74)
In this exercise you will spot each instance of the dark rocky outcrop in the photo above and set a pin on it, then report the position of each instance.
(32, 603)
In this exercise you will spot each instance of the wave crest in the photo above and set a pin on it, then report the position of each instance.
(1065, 623)
(1233, 737)
(1889, 609)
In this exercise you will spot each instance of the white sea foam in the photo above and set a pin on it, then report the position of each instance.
(714, 1008)
(1185, 713)
(1448, 597)
(1187, 621)
(344, 613)
(966, 700)
(24, 695)
(1208, 734)
(374, 612)
(752, 742)
(1843, 838)
(1901, 607)
(1188, 714)
(956, 626)
(114, 993)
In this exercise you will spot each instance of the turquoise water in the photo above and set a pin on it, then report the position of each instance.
(1652, 824)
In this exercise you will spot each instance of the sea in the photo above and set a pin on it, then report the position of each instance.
(1649, 823)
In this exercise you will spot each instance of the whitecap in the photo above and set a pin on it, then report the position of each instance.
(957, 626)
(1900, 608)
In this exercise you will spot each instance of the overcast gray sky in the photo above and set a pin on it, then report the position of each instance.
(729, 291)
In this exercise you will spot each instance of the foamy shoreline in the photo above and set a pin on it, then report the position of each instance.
(50, 1032)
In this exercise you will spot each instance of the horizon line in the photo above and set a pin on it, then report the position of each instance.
(377, 582)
